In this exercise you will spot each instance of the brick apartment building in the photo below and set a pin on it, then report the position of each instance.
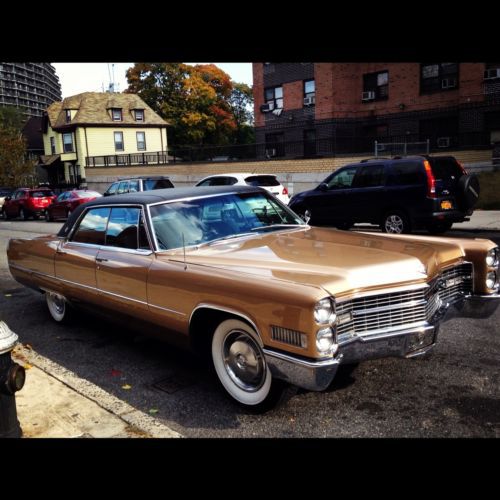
(323, 109)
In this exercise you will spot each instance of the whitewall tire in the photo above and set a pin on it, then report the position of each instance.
(241, 365)
(58, 306)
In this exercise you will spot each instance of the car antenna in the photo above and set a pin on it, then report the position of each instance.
(184, 251)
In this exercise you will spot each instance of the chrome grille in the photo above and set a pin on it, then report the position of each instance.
(288, 336)
(392, 311)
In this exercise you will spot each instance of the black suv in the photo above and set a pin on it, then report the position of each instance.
(399, 194)
(135, 184)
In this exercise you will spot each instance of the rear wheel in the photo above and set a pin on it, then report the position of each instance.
(48, 217)
(395, 222)
(241, 366)
(23, 214)
(59, 308)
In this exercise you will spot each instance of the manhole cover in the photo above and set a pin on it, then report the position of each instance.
(174, 383)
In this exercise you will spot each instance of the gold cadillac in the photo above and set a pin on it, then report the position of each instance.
(235, 274)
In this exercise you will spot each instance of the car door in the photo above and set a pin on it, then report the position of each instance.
(329, 200)
(57, 208)
(123, 262)
(75, 260)
(366, 197)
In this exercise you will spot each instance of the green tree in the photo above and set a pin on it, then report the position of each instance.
(15, 169)
(199, 102)
(241, 104)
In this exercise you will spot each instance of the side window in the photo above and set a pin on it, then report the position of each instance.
(369, 176)
(122, 187)
(343, 179)
(405, 173)
(122, 228)
(92, 228)
(205, 183)
(134, 186)
(112, 189)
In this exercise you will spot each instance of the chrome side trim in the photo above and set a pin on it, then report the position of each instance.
(87, 287)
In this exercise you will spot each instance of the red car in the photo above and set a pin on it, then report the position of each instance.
(66, 202)
(26, 202)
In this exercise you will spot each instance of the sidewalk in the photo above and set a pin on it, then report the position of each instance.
(56, 403)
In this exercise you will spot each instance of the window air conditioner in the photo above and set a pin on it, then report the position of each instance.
(368, 96)
(265, 108)
(443, 142)
(491, 74)
(448, 83)
(308, 101)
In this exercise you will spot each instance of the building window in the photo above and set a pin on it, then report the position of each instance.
(309, 92)
(52, 145)
(68, 115)
(117, 114)
(437, 77)
(119, 141)
(139, 115)
(141, 141)
(68, 143)
(274, 97)
(375, 86)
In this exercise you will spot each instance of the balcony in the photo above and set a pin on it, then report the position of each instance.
(121, 160)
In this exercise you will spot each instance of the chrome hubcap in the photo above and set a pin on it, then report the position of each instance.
(394, 224)
(244, 361)
(58, 303)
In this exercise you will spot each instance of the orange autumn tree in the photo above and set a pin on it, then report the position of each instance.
(195, 100)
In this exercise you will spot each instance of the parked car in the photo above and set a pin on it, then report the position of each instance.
(4, 192)
(136, 184)
(268, 182)
(66, 202)
(234, 274)
(26, 203)
(399, 194)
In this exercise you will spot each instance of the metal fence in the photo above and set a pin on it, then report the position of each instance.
(322, 147)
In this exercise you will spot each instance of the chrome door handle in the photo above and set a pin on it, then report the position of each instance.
(100, 259)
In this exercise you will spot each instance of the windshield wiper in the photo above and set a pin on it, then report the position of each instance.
(271, 227)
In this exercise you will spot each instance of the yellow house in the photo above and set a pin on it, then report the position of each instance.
(100, 129)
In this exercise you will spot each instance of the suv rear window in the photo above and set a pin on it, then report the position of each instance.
(262, 180)
(150, 184)
(445, 168)
(41, 194)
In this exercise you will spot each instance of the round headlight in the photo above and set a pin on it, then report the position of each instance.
(324, 340)
(324, 312)
(491, 280)
(492, 257)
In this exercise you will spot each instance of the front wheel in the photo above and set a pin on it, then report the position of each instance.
(241, 366)
(59, 308)
(395, 222)
(304, 213)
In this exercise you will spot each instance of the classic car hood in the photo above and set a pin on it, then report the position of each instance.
(338, 261)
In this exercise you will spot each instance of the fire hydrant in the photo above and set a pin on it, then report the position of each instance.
(12, 377)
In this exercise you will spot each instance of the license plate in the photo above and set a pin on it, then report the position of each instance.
(446, 205)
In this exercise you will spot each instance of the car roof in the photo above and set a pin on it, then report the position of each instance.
(144, 177)
(156, 196)
(238, 175)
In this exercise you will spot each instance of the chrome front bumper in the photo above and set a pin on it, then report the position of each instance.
(410, 342)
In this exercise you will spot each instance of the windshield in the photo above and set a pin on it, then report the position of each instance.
(202, 220)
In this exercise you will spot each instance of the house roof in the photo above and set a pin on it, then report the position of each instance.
(92, 108)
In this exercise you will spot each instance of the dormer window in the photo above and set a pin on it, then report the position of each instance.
(139, 115)
(116, 113)
(68, 115)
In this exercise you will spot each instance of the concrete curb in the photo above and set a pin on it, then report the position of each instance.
(108, 402)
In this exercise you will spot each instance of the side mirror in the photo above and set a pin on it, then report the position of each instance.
(323, 186)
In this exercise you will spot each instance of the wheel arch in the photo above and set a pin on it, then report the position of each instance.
(207, 316)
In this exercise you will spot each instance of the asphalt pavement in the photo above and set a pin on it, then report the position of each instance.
(57, 403)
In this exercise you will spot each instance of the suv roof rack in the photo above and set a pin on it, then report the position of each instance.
(374, 159)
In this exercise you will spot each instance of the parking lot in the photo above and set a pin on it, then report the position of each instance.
(452, 392)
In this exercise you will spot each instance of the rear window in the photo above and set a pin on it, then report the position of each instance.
(88, 194)
(445, 168)
(41, 194)
(262, 180)
(150, 184)
(406, 173)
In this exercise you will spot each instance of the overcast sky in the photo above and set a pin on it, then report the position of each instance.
(76, 78)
